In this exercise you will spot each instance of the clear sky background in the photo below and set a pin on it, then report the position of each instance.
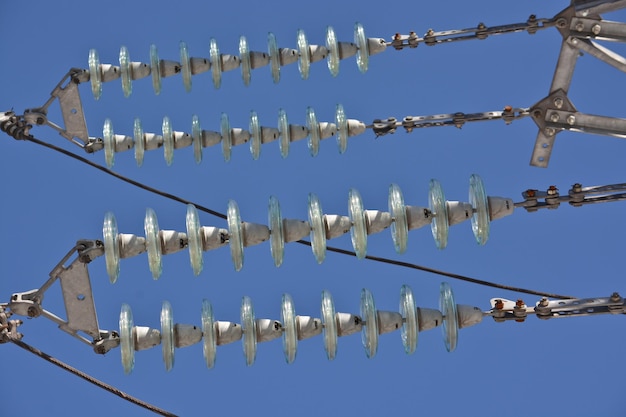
(561, 367)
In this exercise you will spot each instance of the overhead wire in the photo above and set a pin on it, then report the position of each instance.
(91, 379)
(220, 215)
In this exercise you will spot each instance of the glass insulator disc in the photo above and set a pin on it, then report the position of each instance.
(194, 239)
(333, 51)
(330, 325)
(277, 237)
(399, 226)
(480, 204)
(167, 335)
(155, 69)
(127, 341)
(249, 330)
(111, 247)
(95, 75)
(369, 331)
(437, 205)
(168, 141)
(109, 143)
(318, 228)
(185, 68)
(290, 333)
(409, 330)
(209, 335)
(196, 137)
(126, 72)
(450, 325)
(235, 234)
(358, 231)
(153, 243)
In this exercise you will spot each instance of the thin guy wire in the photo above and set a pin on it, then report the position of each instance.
(302, 242)
(93, 380)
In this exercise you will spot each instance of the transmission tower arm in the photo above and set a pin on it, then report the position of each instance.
(579, 24)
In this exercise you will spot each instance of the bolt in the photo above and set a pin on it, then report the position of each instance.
(571, 119)
(519, 303)
(554, 117)
(100, 349)
(561, 23)
(580, 26)
(530, 193)
(550, 131)
(499, 305)
(430, 32)
(508, 109)
(558, 102)
(552, 190)
(596, 29)
(615, 297)
(40, 121)
(577, 188)
(397, 37)
(574, 41)
(543, 302)
(32, 311)
(537, 113)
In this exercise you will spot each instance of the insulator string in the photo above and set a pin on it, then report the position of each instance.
(360, 223)
(218, 63)
(370, 322)
(342, 128)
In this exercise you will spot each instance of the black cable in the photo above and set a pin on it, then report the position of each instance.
(125, 179)
(93, 380)
(444, 273)
(302, 242)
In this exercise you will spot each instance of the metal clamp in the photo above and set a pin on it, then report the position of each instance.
(577, 196)
(458, 120)
(506, 310)
(8, 328)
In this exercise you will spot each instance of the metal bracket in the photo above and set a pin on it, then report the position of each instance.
(77, 297)
(66, 91)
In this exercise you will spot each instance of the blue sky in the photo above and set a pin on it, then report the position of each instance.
(569, 366)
